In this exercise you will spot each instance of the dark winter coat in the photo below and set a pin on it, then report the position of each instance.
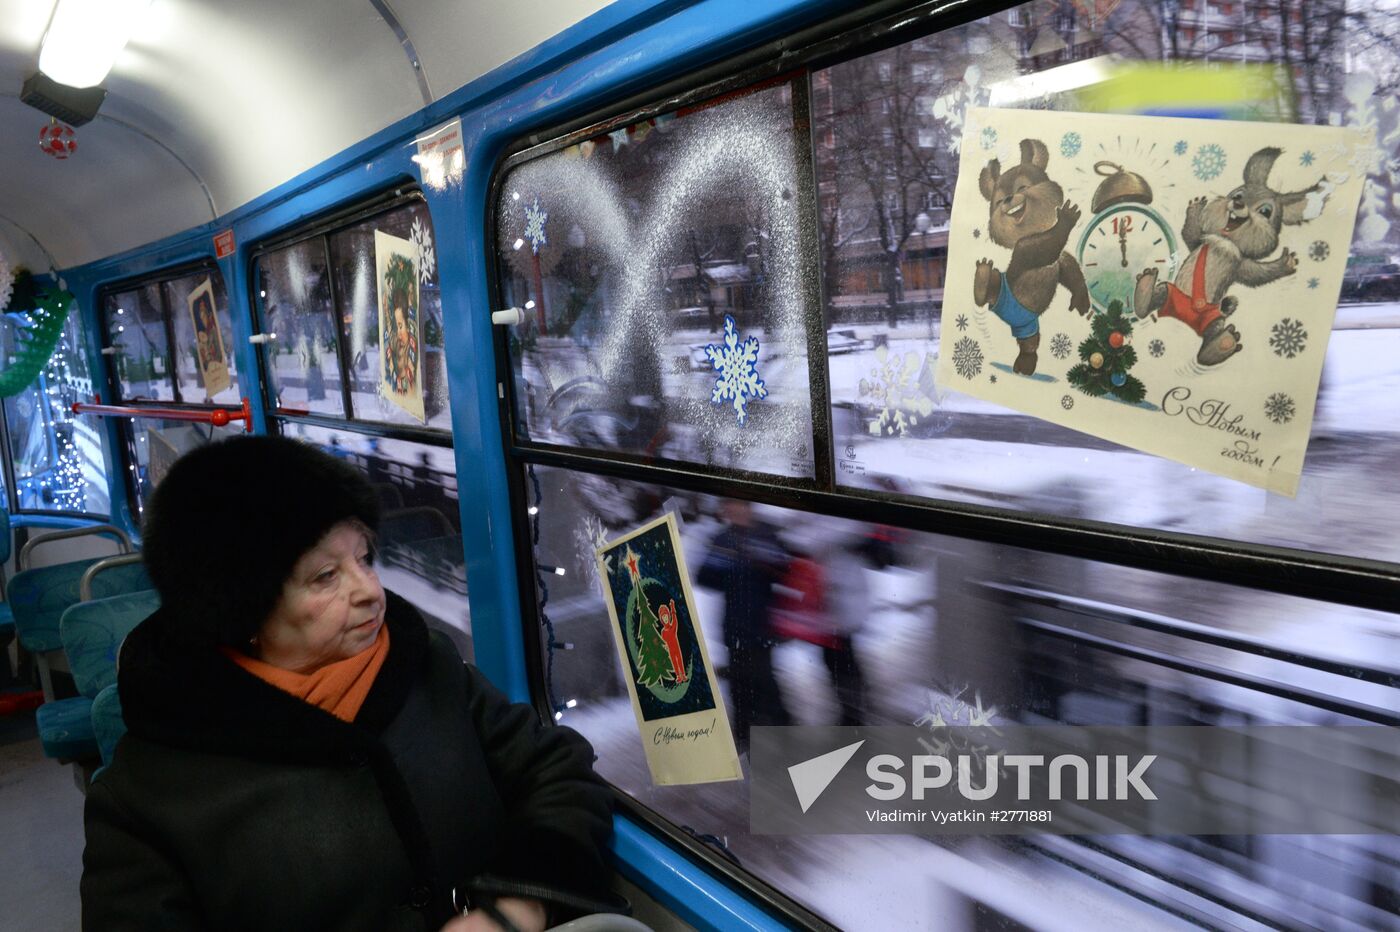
(744, 563)
(233, 805)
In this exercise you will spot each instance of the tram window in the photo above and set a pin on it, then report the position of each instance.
(136, 329)
(973, 633)
(353, 269)
(140, 322)
(635, 253)
(59, 459)
(888, 302)
(420, 533)
(294, 299)
(155, 444)
(320, 296)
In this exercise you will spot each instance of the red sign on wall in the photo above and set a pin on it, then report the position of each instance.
(223, 244)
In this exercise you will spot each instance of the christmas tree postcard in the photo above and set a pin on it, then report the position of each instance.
(1166, 284)
(400, 336)
(665, 663)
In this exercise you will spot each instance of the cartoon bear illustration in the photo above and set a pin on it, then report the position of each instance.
(1229, 237)
(1029, 216)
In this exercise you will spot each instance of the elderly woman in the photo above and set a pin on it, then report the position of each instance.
(302, 752)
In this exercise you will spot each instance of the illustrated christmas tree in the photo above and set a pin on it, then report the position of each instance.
(653, 660)
(1107, 357)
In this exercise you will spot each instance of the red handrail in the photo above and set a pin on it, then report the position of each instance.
(219, 417)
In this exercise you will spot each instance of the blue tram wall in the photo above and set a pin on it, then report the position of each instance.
(620, 51)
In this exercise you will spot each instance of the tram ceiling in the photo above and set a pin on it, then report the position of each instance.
(214, 103)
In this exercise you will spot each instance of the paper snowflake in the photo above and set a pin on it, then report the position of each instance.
(961, 322)
(1156, 348)
(1319, 251)
(1288, 338)
(588, 538)
(1070, 144)
(1307, 158)
(737, 365)
(967, 358)
(423, 241)
(1067, 402)
(1180, 147)
(1060, 346)
(534, 226)
(1208, 162)
(1279, 408)
(894, 385)
(989, 137)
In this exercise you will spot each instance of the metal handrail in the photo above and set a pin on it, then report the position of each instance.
(85, 584)
(23, 562)
(219, 417)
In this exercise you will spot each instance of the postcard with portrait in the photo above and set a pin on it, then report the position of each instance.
(665, 662)
(400, 323)
(1167, 284)
(208, 340)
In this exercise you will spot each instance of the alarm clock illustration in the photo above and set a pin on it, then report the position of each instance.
(1123, 237)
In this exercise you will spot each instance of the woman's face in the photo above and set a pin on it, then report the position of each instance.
(331, 608)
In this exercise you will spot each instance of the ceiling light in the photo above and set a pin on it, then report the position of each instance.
(85, 37)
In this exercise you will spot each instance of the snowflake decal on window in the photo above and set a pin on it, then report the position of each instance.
(737, 365)
(967, 358)
(423, 242)
(1156, 348)
(1307, 158)
(989, 137)
(1208, 162)
(534, 226)
(1067, 402)
(894, 385)
(1070, 144)
(1288, 338)
(1060, 346)
(961, 322)
(1319, 251)
(1180, 147)
(1279, 408)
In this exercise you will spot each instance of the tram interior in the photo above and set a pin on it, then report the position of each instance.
(249, 155)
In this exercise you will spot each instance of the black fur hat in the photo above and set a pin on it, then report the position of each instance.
(230, 520)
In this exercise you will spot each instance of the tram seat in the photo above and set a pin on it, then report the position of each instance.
(7, 617)
(108, 726)
(92, 632)
(39, 597)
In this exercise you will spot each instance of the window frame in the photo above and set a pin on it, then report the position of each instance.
(322, 228)
(1332, 578)
(112, 383)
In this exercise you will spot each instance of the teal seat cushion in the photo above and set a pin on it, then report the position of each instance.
(65, 728)
(92, 632)
(107, 722)
(7, 619)
(38, 597)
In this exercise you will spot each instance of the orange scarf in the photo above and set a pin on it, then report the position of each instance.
(339, 688)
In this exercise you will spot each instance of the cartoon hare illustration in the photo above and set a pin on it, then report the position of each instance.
(1229, 237)
(1029, 216)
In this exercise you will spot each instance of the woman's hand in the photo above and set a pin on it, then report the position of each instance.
(528, 916)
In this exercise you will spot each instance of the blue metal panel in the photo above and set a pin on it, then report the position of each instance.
(674, 881)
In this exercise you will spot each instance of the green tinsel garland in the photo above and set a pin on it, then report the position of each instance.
(34, 344)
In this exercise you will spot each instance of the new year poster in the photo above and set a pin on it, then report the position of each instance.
(400, 333)
(208, 340)
(1167, 284)
(665, 662)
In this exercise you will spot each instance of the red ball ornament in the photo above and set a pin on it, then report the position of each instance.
(1115, 339)
(57, 140)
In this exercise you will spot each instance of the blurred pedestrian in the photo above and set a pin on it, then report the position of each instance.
(744, 561)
